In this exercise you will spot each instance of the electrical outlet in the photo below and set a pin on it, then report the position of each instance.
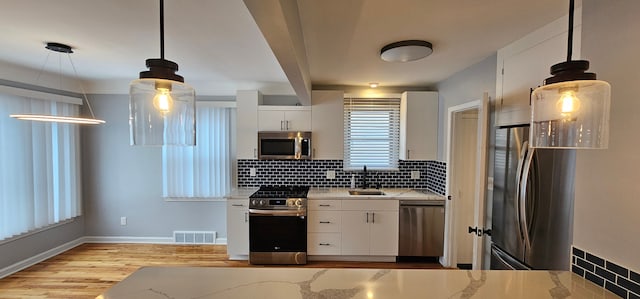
(252, 172)
(415, 174)
(123, 220)
(331, 174)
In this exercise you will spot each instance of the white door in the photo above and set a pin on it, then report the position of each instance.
(383, 233)
(454, 207)
(463, 181)
(355, 233)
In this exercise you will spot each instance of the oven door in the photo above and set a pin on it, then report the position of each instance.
(277, 237)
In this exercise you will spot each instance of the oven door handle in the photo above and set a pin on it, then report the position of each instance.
(277, 212)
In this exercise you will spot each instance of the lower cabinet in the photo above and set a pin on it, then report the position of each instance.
(353, 228)
(371, 228)
(238, 228)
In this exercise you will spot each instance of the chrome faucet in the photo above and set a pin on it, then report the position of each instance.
(364, 178)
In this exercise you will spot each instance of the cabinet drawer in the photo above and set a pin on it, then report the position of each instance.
(238, 203)
(323, 243)
(324, 204)
(370, 205)
(323, 222)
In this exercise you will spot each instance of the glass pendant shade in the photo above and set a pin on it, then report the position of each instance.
(162, 112)
(571, 114)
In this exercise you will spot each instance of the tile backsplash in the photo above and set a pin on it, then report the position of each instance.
(613, 277)
(313, 173)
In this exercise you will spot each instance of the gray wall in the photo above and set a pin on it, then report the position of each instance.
(607, 204)
(122, 180)
(21, 249)
(462, 87)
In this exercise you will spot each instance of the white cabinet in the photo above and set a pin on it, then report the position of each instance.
(327, 124)
(523, 65)
(419, 125)
(323, 227)
(238, 228)
(247, 123)
(370, 227)
(284, 118)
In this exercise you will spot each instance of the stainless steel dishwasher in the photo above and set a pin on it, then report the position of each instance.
(421, 228)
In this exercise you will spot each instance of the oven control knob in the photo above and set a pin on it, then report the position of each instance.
(254, 202)
(263, 202)
(298, 202)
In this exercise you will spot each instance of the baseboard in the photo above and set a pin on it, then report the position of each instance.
(352, 258)
(123, 239)
(141, 240)
(40, 257)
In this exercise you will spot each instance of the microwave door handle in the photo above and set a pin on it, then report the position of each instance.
(298, 148)
(523, 197)
(523, 154)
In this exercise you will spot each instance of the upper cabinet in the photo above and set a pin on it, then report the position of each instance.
(327, 123)
(247, 123)
(523, 65)
(284, 118)
(419, 125)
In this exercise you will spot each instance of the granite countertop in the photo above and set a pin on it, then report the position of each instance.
(241, 193)
(389, 193)
(315, 283)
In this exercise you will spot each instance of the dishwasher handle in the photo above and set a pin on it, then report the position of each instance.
(422, 203)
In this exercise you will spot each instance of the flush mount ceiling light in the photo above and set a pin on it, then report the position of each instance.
(571, 109)
(162, 107)
(63, 49)
(406, 50)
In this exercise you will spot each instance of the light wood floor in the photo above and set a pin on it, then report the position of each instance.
(90, 269)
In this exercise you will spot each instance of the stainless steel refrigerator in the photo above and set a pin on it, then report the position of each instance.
(532, 216)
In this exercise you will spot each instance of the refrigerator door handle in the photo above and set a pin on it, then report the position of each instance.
(523, 155)
(523, 197)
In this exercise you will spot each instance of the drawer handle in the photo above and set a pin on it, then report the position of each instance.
(324, 205)
(325, 222)
(236, 205)
(324, 244)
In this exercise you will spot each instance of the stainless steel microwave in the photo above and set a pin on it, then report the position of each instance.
(284, 145)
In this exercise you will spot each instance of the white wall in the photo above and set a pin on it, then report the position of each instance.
(462, 87)
(607, 202)
(122, 180)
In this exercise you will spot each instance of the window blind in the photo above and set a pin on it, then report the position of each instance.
(204, 170)
(39, 166)
(371, 133)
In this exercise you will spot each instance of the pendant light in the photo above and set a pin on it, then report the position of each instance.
(571, 109)
(64, 49)
(162, 107)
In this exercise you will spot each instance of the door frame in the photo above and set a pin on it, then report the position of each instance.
(449, 259)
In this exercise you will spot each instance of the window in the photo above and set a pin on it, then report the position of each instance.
(204, 170)
(371, 133)
(39, 168)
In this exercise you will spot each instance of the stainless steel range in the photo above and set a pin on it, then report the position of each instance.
(278, 225)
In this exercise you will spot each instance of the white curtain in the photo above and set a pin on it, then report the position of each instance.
(39, 166)
(204, 170)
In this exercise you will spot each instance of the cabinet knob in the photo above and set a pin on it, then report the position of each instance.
(255, 152)
(325, 222)
(324, 244)
(324, 205)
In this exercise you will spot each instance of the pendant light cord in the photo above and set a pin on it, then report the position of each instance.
(162, 29)
(570, 32)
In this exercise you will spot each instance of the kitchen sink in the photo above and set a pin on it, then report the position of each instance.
(366, 192)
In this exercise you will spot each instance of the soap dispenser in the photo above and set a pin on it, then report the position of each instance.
(353, 181)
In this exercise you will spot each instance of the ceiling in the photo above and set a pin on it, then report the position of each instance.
(220, 49)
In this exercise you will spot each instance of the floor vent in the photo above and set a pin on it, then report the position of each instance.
(194, 237)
